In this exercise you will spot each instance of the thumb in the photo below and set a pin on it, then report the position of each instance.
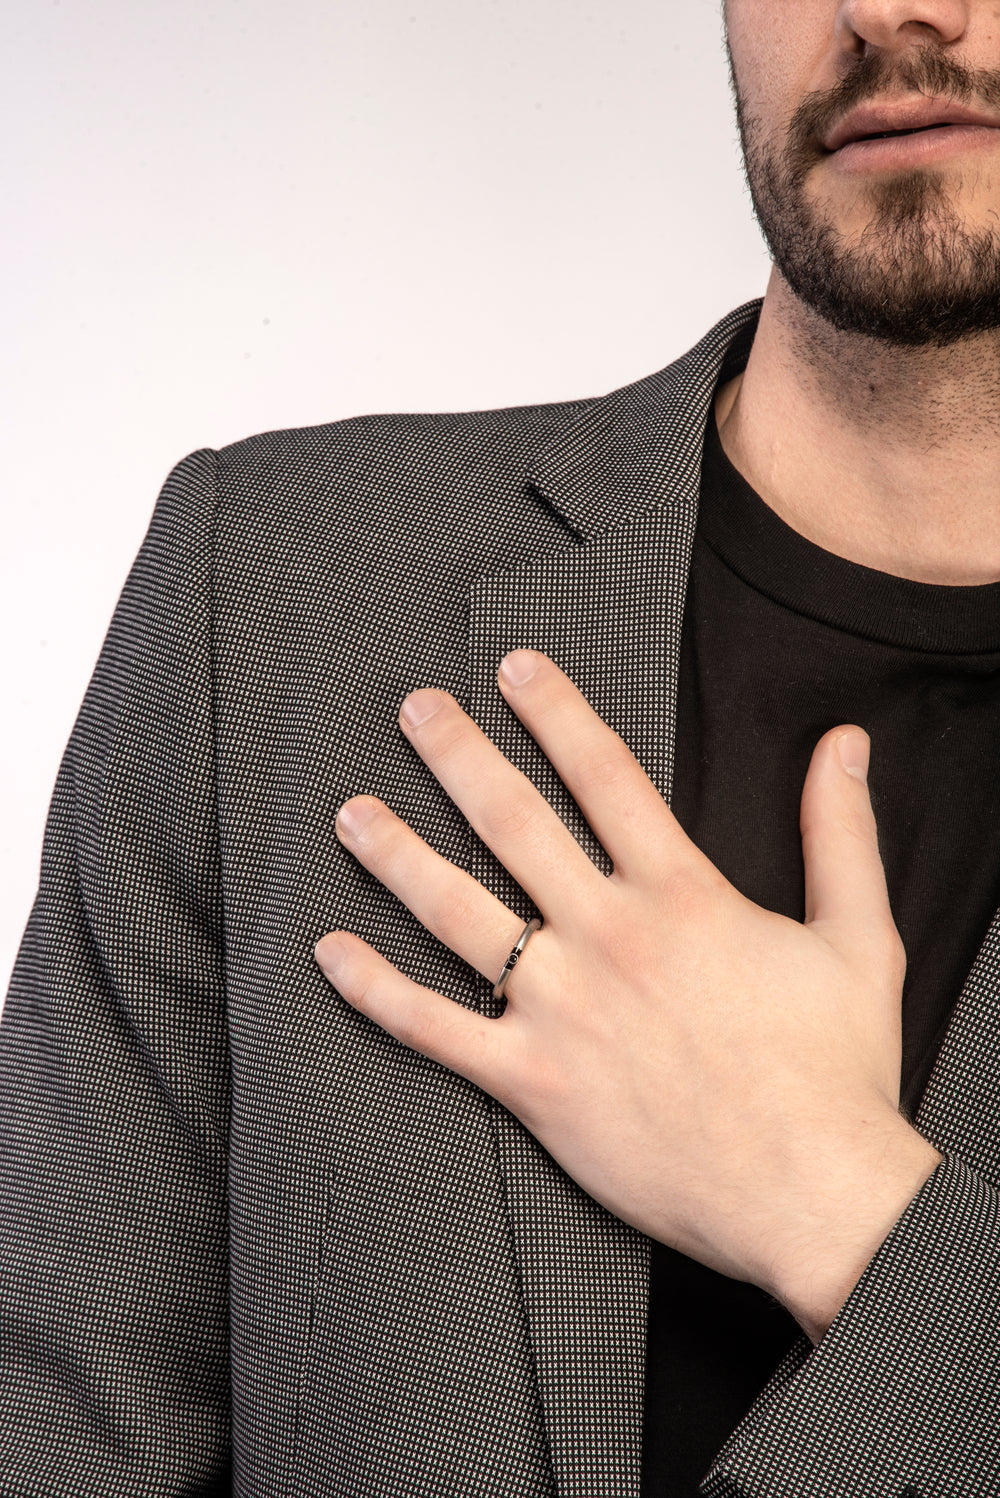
(844, 877)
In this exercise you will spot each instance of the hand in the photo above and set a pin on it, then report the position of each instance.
(721, 1077)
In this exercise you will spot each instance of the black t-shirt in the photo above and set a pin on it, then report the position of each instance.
(781, 642)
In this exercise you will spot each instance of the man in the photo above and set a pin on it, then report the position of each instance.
(244, 1224)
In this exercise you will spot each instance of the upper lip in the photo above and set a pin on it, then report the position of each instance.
(903, 114)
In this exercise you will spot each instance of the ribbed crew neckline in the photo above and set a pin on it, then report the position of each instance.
(773, 558)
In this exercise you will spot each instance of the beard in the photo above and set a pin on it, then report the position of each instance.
(916, 276)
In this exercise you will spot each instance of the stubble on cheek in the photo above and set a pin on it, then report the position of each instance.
(890, 257)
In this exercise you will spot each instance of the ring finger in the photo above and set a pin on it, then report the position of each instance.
(452, 905)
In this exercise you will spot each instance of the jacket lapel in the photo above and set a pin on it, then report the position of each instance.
(608, 609)
(958, 1112)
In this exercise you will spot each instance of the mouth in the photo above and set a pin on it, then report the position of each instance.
(908, 135)
(896, 118)
(892, 134)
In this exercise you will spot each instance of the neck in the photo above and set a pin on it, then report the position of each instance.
(888, 457)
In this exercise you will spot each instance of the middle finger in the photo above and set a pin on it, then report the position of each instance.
(510, 815)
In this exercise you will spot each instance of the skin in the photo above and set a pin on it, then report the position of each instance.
(855, 443)
(723, 1078)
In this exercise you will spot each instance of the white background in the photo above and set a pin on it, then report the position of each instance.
(225, 216)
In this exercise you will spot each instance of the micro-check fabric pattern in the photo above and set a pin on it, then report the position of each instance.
(247, 1236)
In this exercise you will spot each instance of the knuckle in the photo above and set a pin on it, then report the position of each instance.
(450, 908)
(367, 990)
(418, 1029)
(445, 734)
(858, 822)
(598, 770)
(512, 818)
(386, 855)
(616, 943)
(399, 858)
(895, 954)
(535, 1090)
(691, 894)
(882, 948)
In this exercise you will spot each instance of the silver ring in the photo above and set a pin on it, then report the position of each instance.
(515, 952)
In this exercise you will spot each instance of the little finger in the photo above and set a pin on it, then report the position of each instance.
(475, 1047)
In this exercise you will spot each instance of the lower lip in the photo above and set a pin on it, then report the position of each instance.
(897, 152)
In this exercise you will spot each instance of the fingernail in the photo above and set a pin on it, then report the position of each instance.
(420, 706)
(854, 749)
(518, 667)
(330, 954)
(354, 816)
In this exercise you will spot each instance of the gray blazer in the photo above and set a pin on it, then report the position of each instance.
(245, 1235)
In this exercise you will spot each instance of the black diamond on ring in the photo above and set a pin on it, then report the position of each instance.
(515, 952)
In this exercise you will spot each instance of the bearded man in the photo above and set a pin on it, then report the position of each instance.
(635, 1128)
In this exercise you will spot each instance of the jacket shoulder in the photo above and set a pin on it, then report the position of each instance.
(441, 485)
(386, 442)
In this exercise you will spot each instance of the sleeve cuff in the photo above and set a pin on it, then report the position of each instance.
(901, 1398)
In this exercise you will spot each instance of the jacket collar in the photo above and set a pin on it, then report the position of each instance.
(641, 446)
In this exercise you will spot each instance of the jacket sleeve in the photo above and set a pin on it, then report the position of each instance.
(901, 1397)
(114, 1072)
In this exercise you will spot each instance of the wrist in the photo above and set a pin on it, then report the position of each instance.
(860, 1213)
